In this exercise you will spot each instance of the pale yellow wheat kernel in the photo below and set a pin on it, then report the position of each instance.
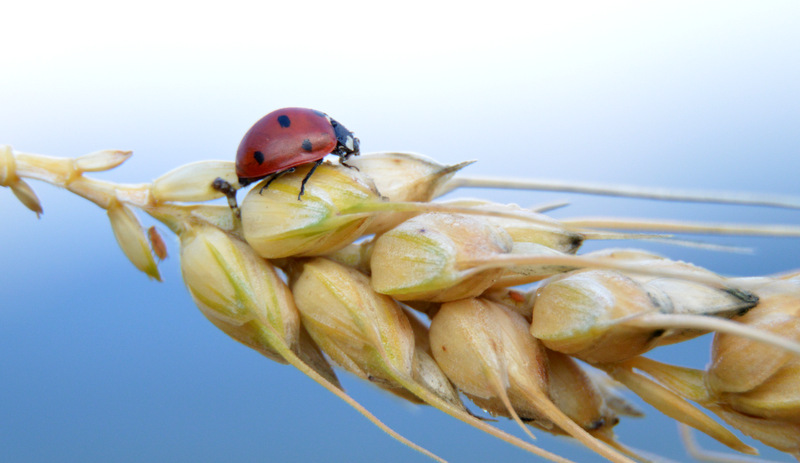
(132, 238)
(421, 259)
(100, 161)
(277, 224)
(192, 182)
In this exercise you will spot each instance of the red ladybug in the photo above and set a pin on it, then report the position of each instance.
(290, 137)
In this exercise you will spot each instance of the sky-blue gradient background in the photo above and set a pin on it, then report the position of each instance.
(99, 364)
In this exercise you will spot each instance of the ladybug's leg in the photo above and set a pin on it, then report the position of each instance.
(343, 161)
(224, 187)
(308, 175)
(273, 177)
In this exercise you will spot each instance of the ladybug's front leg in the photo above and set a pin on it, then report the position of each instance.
(343, 160)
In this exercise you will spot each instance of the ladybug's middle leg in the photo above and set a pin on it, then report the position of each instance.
(308, 175)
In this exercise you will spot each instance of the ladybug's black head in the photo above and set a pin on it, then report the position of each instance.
(347, 144)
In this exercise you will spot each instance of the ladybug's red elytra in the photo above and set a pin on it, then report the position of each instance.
(290, 137)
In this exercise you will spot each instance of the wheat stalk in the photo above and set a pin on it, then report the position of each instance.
(483, 247)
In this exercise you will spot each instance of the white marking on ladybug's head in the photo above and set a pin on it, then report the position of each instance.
(350, 143)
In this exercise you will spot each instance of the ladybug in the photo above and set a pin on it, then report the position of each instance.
(291, 137)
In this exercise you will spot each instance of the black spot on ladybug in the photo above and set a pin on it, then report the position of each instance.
(307, 145)
(259, 157)
(284, 121)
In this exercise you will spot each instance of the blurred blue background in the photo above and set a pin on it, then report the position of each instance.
(99, 364)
